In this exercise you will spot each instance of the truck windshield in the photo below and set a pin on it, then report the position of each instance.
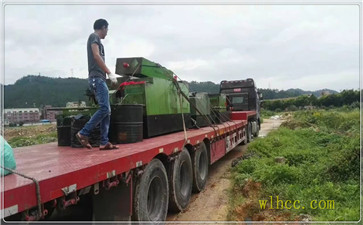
(237, 100)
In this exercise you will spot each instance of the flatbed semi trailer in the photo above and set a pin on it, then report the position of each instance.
(139, 181)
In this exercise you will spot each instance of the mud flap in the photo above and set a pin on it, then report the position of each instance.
(113, 205)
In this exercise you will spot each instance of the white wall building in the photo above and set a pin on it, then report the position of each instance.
(76, 104)
(21, 115)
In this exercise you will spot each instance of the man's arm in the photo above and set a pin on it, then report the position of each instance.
(98, 58)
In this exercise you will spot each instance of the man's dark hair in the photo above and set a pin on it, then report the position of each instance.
(99, 24)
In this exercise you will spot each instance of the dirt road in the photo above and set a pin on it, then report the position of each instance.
(212, 203)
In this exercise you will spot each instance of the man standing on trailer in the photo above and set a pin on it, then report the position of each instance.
(97, 71)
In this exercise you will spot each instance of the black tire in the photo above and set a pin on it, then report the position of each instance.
(152, 193)
(200, 164)
(249, 132)
(257, 130)
(180, 182)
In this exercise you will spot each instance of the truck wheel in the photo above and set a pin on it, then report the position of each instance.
(249, 132)
(180, 182)
(200, 168)
(152, 193)
(244, 142)
(257, 131)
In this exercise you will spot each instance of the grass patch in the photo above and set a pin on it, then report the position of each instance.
(39, 139)
(31, 135)
(265, 114)
(312, 156)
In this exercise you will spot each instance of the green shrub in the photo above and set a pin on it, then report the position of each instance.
(322, 161)
(265, 114)
(27, 141)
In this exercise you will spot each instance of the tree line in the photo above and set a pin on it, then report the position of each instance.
(37, 91)
(346, 97)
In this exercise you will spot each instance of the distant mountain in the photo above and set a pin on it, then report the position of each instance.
(37, 91)
(277, 94)
(317, 93)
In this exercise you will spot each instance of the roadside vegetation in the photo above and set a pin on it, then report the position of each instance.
(265, 114)
(30, 135)
(314, 155)
(347, 98)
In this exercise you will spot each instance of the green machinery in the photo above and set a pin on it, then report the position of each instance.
(201, 102)
(153, 86)
(218, 104)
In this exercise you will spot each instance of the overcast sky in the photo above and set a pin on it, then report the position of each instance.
(280, 46)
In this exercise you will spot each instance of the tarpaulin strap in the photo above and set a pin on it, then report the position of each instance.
(134, 71)
(37, 189)
(181, 108)
(175, 82)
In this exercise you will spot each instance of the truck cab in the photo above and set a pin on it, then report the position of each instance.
(242, 95)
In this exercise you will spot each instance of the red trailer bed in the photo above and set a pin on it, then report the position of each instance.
(56, 168)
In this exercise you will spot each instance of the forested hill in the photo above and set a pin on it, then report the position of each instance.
(37, 91)
(211, 87)
(276, 94)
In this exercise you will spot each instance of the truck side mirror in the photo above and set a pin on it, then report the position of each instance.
(260, 96)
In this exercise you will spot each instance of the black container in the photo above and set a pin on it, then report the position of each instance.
(127, 113)
(78, 123)
(126, 124)
(155, 125)
(128, 132)
(64, 131)
(64, 135)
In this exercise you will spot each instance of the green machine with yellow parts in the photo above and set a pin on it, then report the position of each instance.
(153, 86)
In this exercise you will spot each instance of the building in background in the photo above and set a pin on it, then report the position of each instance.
(50, 113)
(21, 115)
(76, 104)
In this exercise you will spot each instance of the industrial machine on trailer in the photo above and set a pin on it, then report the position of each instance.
(169, 139)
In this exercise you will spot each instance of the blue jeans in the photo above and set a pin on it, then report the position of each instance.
(102, 115)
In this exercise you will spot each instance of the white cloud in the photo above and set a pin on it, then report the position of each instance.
(187, 65)
(282, 46)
